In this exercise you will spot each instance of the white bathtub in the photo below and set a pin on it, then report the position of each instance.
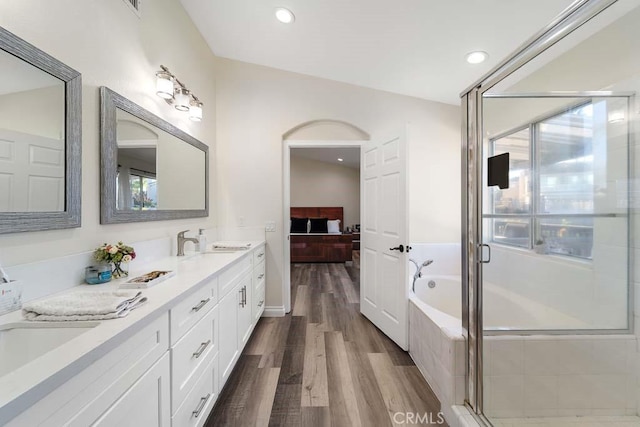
(502, 309)
(437, 346)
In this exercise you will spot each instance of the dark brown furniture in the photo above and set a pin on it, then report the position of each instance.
(356, 240)
(320, 247)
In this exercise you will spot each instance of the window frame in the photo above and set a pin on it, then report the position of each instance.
(534, 217)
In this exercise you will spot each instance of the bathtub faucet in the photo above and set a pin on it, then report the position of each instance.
(419, 268)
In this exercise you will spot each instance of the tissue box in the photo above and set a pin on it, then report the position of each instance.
(10, 296)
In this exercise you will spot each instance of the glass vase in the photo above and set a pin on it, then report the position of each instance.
(120, 270)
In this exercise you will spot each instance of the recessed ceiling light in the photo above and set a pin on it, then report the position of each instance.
(285, 15)
(340, 160)
(476, 57)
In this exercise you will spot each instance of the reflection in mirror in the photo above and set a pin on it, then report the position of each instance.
(40, 139)
(156, 170)
(150, 169)
(32, 138)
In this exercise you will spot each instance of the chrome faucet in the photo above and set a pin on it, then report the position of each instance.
(182, 240)
(418, 273)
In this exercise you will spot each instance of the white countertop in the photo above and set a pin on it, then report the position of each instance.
(23, 387)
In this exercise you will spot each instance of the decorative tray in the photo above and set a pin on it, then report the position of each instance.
(147, 280)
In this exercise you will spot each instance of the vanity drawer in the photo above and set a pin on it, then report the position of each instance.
(259, 254)
(258, 274)
(258, 301)
(229, 277)
(193, 308)
(199, 402)
(191, 354)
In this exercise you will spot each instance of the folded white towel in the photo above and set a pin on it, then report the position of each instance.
(223, 246)
(84, 305)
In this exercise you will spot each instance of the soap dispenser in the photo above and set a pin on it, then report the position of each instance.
(202, 241)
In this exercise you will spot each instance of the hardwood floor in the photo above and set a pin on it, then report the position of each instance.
(324, 364)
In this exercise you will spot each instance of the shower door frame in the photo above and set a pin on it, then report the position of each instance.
(574, 16)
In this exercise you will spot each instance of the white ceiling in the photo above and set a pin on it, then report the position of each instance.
(350, 156)
(410, 47)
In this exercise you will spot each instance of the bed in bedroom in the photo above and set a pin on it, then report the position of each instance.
(317, 237)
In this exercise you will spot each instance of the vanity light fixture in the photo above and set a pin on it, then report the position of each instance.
(285, 15)
(195, 110)
(182, 99)
(172, 90)
(476, 57)
(164, 84)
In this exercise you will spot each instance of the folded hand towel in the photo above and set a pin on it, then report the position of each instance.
(84, 305)
(231, 246)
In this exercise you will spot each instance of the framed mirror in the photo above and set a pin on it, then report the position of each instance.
(150, 169)
(40, 139)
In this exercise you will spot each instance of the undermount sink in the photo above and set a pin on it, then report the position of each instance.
(23, 342)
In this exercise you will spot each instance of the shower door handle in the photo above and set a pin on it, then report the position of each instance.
(482, 260)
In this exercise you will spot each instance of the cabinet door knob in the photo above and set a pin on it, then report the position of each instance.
(261, 276)
(201, 349)
(201, 304)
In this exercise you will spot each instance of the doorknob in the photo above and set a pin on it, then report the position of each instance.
(398, 248)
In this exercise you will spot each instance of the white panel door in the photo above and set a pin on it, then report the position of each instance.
(32, 172)
(384, 236)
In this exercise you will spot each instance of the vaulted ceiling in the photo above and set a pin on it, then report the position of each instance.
(409, 47)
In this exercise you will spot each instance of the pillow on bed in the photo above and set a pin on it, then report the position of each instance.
(318, 225)
(299, 225)
(333, 226)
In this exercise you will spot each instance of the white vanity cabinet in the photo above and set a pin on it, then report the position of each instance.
(194, 355)
(170, 371)
(135, 371)
(258, 284)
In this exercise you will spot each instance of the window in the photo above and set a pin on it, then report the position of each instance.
(141, 193)
(552, 184)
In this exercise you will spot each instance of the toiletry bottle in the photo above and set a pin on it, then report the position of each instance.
(202, 241)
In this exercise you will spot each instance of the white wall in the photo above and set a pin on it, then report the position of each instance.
(34, 112)
(256, 105)
(111, 46)
(315, 183)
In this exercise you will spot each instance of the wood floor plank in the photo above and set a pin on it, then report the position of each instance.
(392, 394)
(324, 364)
(231, 404)
(275, 348)
(343, 403)
(422, 400)
(258, 406)
(314, 375)
(371, 404)
(316, 416)
(286, 406)
(301, 305)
